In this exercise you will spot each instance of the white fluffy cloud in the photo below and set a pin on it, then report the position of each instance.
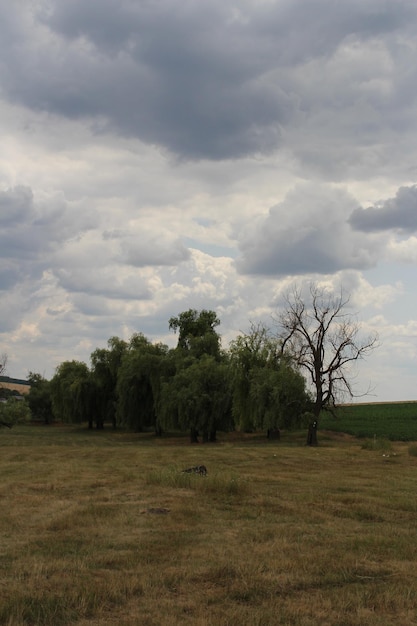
(308, 233)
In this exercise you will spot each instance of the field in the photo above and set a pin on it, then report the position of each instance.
(104, 528)
(396, 421)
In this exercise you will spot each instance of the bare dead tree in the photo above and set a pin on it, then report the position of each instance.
(324, 340)
(3, 363)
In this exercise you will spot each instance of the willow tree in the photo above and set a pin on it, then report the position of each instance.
(138, 384)
(324, 340)
(71, 393)
(196, 392)
(269, 393)
(105, 365)
(39, 398)
(197, 335)
(198, 398)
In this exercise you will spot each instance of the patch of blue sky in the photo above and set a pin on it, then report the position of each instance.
(211, 249)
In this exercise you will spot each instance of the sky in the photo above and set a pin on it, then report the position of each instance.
(159, 155)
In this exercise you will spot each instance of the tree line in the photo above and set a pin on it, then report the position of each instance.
(196, 387)
(256, 384)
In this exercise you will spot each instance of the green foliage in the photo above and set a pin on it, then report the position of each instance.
(197, 397)
(396, 421)
(39, 398)
(139, 383)
(105, 366)
(197, 334)
(268, 393)
(248, 353)
(196, 386)
(71, 392)
(14, 411)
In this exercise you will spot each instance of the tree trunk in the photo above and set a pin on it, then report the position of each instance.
(213, 436)
(273, 433)
(193, 435)
(312, 433)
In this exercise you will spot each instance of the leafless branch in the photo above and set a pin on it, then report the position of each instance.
(3, 363)
(323, 339)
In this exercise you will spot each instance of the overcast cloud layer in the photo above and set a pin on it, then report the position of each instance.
(158, 156)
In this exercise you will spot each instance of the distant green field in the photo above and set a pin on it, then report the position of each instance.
(396, 421)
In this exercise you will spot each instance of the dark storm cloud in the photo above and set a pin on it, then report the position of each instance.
(307, 233)
(9, 275)
(399, 213)
(16, 206)
(202, 79)
(20, 244)
(30, 231)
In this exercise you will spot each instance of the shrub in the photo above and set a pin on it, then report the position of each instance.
(14, 411)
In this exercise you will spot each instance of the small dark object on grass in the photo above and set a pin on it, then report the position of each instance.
(198, 469)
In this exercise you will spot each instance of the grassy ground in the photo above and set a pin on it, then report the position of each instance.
(396, 421)
(103, 528)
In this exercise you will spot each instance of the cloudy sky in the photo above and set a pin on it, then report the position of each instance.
(159, 155)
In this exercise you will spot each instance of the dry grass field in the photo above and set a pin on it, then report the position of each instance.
(103, 528)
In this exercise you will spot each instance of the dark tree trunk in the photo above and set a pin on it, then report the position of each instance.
(90, 424)
(205, 436)
(194, 435)
(312, 433)
(213, 436)
(273, 433)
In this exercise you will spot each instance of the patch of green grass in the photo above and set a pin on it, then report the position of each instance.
(396, 421)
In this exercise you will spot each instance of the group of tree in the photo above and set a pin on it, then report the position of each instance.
(141, 385)
(264, 381)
